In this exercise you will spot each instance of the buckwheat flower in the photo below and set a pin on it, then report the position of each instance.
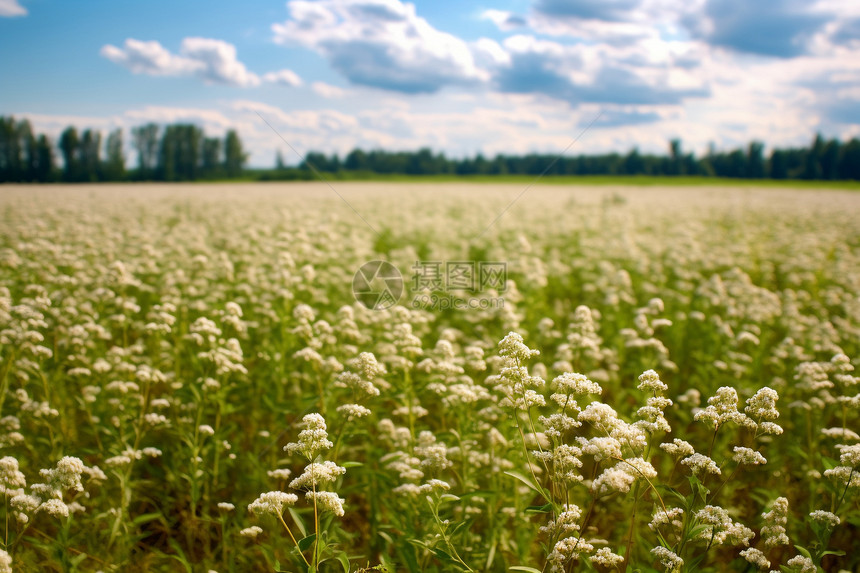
(54, 508)
(678, 448)
(313, 439)
(5, 562)
(327, 501)
(567, 549)
(513, 348)
(279, 474)
(151, 452)
(316, 474)
(160, 403)
(436, 485)
(434, 454)
(825, 518)
(844, 475)
(607, 558)
(558, 424)
(849, 455)
(66, 475)
(722, 530)
(748, 457)
(700, 463)
(251, 532)
(650, 381)
(773, 531)
(566, 463)
(802, 564)
(755, 557)
(601, 448)
(272, 502)
(226, 506)
(154, 419)
(722, 408)
(206, 430)
(11, 478)
(841, 433)
(566, 524)
(576, 384)
(667, 559)
(352, 411)
(672, 516)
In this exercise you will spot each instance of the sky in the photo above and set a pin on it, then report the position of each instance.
(460, 77)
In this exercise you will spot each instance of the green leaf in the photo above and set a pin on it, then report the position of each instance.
(297, 518)
(304, 544)
(832, 552)
(344, 561)
(523, 568)
(448, 497)
(531, 485)
(803, 551)
(546, 508)
(348, 465)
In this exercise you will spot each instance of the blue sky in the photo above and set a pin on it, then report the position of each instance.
(490, 76)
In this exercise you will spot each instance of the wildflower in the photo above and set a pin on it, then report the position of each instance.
(11, 478)
(313, 439)
(54, 508)
(802, 564)
(251, 532)
(747, 456)
(825, 518)
(280, 473)
(226, 506)
(576, 384)
(668, 560)
(327, 501)
(650, 381)
(513, 348)
(607, 558)
(316, 474)
(678, 448)
(350, 411)
(755, 557)
(773, 531)
(567, 549)
(5, 562)
(700, 463)
(722, 408)
(206, 430)
(566, 524)
(272, 503)
(671, 516)
(722, 530)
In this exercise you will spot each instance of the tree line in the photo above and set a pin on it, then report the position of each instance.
(823, 159)
(183, 152)
(177, 152)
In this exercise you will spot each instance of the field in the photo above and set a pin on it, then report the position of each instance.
(602, 378)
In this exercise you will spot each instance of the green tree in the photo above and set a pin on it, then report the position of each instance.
(114, 165)
(44, 159)
(211, 156)
(234, 156)
(90, 150)
(70, 148)
(145, 141)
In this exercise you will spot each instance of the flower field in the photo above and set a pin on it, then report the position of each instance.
(660, 379)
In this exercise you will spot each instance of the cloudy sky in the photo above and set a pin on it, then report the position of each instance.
(459, 76)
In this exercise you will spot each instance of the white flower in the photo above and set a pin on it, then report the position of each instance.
(825, 518)
(773, 531)
(802, 564)
(668, 560)
(576, 384)
(678, 448)
(5, 562)
(251, 532)
(316, 474)
(327, 501)
(747, 456)
(755, 557)
(650, 381)
(226, 506)
(606, 557)
(272, 502)
(700, 463)
(313, 439)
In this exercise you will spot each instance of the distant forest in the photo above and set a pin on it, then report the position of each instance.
(183, 152)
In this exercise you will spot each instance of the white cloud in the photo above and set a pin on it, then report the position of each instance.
(214, 61)
(380, 43)
(328, 91)
(283, 77)
(11, 8)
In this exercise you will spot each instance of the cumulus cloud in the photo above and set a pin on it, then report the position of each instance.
(380, 43)
(284, 77)
(11, 8)
(503, 19)
(213, 61)
(328, 91)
